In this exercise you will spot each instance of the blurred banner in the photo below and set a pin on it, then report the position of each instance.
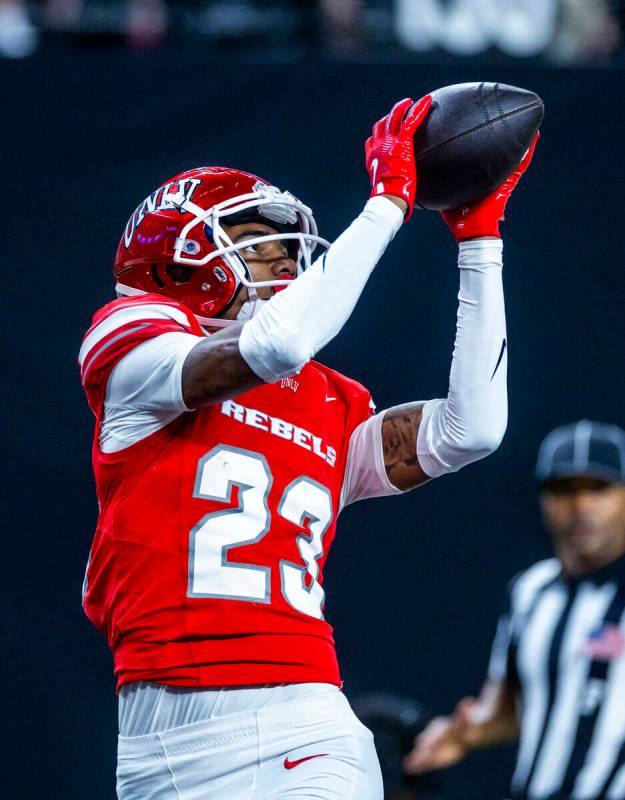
(565, 30)
(560, 31)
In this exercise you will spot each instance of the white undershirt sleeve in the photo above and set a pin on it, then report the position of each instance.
(144, 390)
(297, 322)
(365, 475)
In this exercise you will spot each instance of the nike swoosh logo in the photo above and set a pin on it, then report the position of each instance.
(374, 168)
(501, 352)
(290, 764)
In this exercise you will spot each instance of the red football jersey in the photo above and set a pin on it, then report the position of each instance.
(206, 565)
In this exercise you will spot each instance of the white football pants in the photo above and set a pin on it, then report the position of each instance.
(312, 749)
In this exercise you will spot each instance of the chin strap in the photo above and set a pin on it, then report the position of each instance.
(250, 308)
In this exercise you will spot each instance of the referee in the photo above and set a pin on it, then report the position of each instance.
(556, 679)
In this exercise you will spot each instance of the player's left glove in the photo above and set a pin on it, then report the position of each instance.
(483, 217)
(389, 151)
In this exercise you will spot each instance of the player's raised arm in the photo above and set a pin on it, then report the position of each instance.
(296, 323)
(427, 439)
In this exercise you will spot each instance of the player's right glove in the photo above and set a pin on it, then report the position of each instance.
(483, 217)
(389, 151)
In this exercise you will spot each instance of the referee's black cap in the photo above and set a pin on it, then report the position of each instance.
(582, 449)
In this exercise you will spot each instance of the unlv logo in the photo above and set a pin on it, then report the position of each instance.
(167, 197)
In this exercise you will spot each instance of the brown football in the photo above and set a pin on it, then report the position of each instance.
(472, 139)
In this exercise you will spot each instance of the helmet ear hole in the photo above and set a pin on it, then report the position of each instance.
(156, 277)
(179, 273)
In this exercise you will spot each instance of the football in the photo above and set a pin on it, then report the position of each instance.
(471, 141)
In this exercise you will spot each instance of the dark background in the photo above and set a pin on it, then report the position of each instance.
(413, 583)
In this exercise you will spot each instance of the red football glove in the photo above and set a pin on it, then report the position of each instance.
(483, 218)
(389, 151)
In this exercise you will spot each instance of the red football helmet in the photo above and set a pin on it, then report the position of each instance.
(180, 225)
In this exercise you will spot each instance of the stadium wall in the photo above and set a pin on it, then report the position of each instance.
(413, 584)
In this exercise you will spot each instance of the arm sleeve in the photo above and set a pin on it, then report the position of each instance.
(297, 322)
(144, 390)
(470, 423)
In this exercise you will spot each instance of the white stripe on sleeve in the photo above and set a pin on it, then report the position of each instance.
(135, 313)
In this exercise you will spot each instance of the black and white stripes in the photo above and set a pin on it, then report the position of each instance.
(563, 642)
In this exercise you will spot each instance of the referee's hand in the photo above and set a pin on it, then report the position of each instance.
(443, 742)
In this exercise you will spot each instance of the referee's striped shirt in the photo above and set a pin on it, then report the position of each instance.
(561, 643)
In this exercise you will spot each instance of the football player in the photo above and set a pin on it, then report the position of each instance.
(223, 455)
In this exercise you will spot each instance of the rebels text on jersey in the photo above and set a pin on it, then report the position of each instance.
(206, 565)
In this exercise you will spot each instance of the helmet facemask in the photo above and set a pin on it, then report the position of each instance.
(266, 204)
